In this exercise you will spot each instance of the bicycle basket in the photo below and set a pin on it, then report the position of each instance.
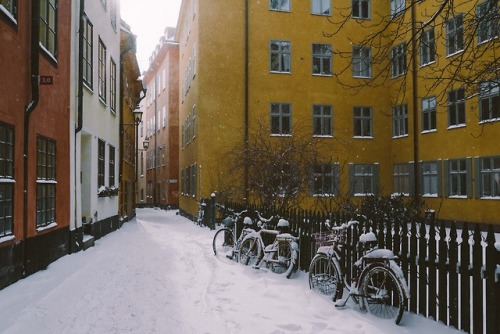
(330, 238)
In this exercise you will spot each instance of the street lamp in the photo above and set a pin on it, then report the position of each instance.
(137, 113)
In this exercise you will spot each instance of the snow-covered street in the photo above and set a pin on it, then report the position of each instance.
(158, 274)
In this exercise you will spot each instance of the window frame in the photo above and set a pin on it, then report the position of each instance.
(489, 175)
(429, 114)
(111, 166)
(489, 91)
(402, 176)
(324, 56)
(456, 108)
(48, 28)
(431, 178)
(399, 64)
(319, 174)
(400, 121)
(428, 47)
(456, 177)
(455, 35)
(284, 118)
(323, 117)
(10, 13)
(397, 7)
(87, 53)
(46, 181)
(101, 73)
(489, 24)
(282, 54)
(362, 119)
(279, 4)
(320, 4)
(7, 180)
(359, 5)
(101, 160)
(361, 62)
(112, 86)
(368, 175)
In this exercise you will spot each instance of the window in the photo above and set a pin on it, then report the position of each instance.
(361, 9)
(280, 56)
(397, 6)
(322, 59)
(402, 177)
(399, 121)
(192, 190)
(363, 179)
(363, 122)
(112, 14)
(458, 178)
(111, 166)
(100, 163)
(321, 7)
(6, 180)
(431, 178)
(427, 47)
(455, 34)
(163, 155)
(456, 107)
(489, 101)
(489, 177)
(398, 60)
(87, 52)
(322, 120)
(429, 114)
(46, 182)
(193, 123)
(361, 62)
(9, 7)
(324, 179)
(48, 26)
(102, 71)
(487, 19)
(281, 5)
(112, 89)
(281, 119)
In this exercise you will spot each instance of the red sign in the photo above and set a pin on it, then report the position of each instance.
(46, 80)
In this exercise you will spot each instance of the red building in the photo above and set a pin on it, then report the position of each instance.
(34, 135)
(161, 124)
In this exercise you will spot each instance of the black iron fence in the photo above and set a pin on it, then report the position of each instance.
(453, 273)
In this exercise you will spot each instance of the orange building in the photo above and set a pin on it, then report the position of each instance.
(161, 124)
(34, 136)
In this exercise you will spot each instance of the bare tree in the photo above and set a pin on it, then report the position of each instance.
(404, 43)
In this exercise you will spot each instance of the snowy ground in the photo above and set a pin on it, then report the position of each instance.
(158, 274)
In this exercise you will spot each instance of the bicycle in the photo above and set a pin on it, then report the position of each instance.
(280, 256)
(225, 241)
(379, 285)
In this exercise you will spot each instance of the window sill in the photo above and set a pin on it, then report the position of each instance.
(427, 64)
(428, 131)
(363, 195)
(458, 196)
(323, 195)
(489, 120)
(495, 198)
(326, 75)
(7, 238)
(45, 228)
(277, 72)
(430, 195)
(8, 14)
(402, 136)
(322, 136)
(280, 135)
(455, 53)
(458, 126)
(363, 137)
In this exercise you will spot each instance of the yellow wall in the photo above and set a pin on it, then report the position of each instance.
(218, 91)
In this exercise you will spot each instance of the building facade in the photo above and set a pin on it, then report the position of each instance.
(397, 115)
(96, 121)
(161, 125)
(34, 129)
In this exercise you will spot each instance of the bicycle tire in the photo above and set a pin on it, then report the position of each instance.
(281, 261)
(382, 294)
(250, 251)
(324, 277)
(223, 242)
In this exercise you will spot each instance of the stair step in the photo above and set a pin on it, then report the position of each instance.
(88, 241)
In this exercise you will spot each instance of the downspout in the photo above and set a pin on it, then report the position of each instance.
(416, 169)
(79, 123)
(28, 110)
(246, 99)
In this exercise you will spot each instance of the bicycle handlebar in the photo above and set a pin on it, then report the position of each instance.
(262, 219)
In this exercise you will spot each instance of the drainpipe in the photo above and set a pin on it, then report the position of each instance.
(416, 169)
(81, 29)
(28, 110)
(246, 98)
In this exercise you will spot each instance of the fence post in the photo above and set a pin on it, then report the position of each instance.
(422, 266)
(492, 321)
(477, 282)
(443, 277)
(453, 276)
(432, 271)
(465, 303)
(212, 211)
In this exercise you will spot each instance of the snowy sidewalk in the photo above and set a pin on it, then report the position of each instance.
(158, 274)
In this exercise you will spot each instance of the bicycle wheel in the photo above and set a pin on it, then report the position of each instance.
(223, 242)
(324, 276)
(382, 294)
(250, 251)
(281, 262)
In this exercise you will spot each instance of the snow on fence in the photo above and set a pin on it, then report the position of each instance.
(453, 274)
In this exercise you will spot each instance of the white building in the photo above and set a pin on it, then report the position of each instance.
(95, 103)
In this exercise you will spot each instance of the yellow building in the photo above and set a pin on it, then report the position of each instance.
(351, 73)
